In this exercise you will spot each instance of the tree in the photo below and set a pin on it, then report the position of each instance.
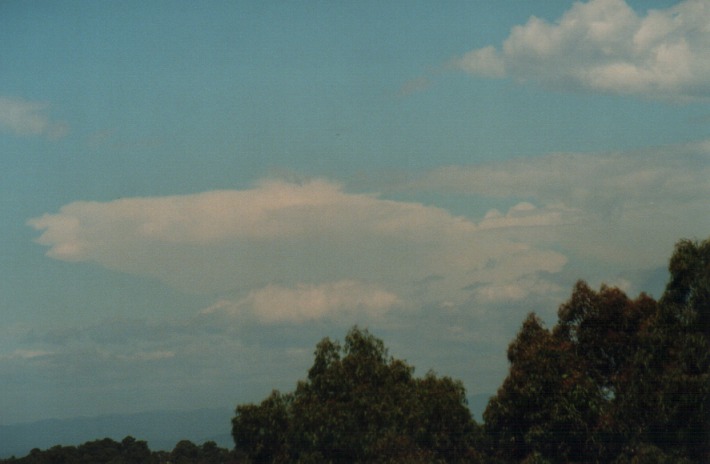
(262, 431)
(104, 450)
(683, 331)
(359, 405)
(210, 453)
(616, 379)
(128, 451)
(135, 451)
(546, 406)
(185, 452)
(687, 294)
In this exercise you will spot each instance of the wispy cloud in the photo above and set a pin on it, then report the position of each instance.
(601, 205)
(416, 85)
(21, 354)
(526, 214)
(26, 118)
(605, 46)
(527, 288)
(275, 303)
(649, 176)
(146, 356)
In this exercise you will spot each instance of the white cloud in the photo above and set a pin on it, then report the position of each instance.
(526, 214)
(483, 62)
(275, 303)
(25, 118)
(605, 46)
(274, 210)
(516, 291)
(280, 235)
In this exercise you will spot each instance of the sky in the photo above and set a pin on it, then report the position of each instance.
(193, 194)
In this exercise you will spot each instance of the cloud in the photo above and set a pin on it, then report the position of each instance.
(484, 62)
(25, 118)
(310, 242)
(605, 180)
(526, 214)
(21, 354)
(146, 356)
(605, 46)
(275, 303)
(627, 208)
(533, 286)
(413, 86)
(271, 211)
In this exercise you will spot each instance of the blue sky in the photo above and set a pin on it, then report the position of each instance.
(194, 194)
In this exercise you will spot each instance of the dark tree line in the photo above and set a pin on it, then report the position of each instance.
(616, 380)
(129, 451)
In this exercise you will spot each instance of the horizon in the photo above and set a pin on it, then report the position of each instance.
(196, 194)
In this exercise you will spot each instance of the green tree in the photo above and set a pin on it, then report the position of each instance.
(210, 453)
(358, 404)
(609, 334)
(616, 379)
(683, 365)
(262, 430)
(546, 408)
(665, 404)
(687, 294)
(185, 452)
(104, 450)
(128, 451)
(135, 451)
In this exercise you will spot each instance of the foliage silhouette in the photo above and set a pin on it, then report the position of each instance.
(616, 379)
(359, 405)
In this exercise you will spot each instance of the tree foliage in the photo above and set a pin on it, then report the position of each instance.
(616, 379)
(128, 451)
(359, 405)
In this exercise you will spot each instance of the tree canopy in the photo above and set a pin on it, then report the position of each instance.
(359, 405)
(128, 451)
(616, 379)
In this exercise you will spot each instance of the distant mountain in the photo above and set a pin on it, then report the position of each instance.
(161, 429)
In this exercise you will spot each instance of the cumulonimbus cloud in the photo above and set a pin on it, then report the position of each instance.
(25, 118)
(605, 46)
(307, 242)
